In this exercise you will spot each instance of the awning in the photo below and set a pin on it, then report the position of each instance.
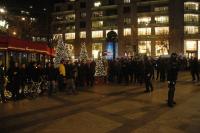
(11, 43)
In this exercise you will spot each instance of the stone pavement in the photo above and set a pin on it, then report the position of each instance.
(107, 108)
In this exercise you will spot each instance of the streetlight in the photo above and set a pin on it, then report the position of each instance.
(2, 10)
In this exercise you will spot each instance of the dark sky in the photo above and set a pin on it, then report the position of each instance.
(38, 5)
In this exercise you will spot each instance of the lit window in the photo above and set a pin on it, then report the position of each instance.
(191, 29)
(162, 19)
(127, 21)
(127, 31)
(144, 47)
(127, 1)
(161, 30)
(97, 4)
(144, 31)
(191, 6)
(191, 18)
(97, 34)
(161, 9)
(190, 45)
(97, 14)
(83, 34)
(144, 20)
(162, 47)
(97, 24)
(83, 14)
(69, 36)
(97, 49)
(57, 36)
(70, 17)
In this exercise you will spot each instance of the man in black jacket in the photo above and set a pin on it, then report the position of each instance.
(172, 74)
(194, 68)
(148, 74)
(2, 79)
(51, 77)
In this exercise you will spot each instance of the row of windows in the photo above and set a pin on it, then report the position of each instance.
(126, 32)
(161, 47)
(157, 19)
(141, 32)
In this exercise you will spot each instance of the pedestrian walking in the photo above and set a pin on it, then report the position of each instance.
(172, 74)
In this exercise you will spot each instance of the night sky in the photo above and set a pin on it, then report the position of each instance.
(38, 5)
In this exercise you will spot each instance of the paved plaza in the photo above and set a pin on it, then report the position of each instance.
(107, 108)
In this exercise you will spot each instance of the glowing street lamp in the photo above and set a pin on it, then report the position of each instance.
(2, 10)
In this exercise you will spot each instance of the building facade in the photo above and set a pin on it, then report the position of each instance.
(151, 27)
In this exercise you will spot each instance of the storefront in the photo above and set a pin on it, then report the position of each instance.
(192, 48)
(16, 50)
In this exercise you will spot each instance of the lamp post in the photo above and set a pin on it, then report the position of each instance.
(112, 37)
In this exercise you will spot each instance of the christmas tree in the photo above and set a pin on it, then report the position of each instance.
(62, 52)
(100, 69)
(83, 53)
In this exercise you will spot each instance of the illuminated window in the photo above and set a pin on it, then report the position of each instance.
(97, 34)
(162, 19)
(57, 36)
(144, 20)
(144, 47)
(127, 1)
(144, 31)
(127, 21)
(97, 4)
(190, 45)
(83, 14)
(198, 50)
(191, 18)
(161, 30)
(191, 6)
(69, 36)
(127, 31)
(83, 34)
(97, 14)
(191, 29)
(162, 47)
(97, 24)
(70, 17)
(161, 9)
(97, 49)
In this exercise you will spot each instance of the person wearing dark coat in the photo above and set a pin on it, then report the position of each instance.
(14, 76)
(2, 81)
(148, 74)
(172, 74)
(194, 68)
(92, 72)
(23, 77)
(70, 77)
(51, 77)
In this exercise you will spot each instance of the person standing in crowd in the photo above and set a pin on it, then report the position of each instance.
(172, 74)
(14, 76)
(23, 79)
(158, 68)
(51, 77)
(148, 74)
(194, 68)
(61, 77)
(90, 73)
(162, 70)
(70, 78)
(2, 81)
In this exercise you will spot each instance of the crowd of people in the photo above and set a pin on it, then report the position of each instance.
(72, 76)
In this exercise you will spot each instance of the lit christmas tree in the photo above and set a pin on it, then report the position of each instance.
(62, 52)
(83, 53)
(100, 69)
